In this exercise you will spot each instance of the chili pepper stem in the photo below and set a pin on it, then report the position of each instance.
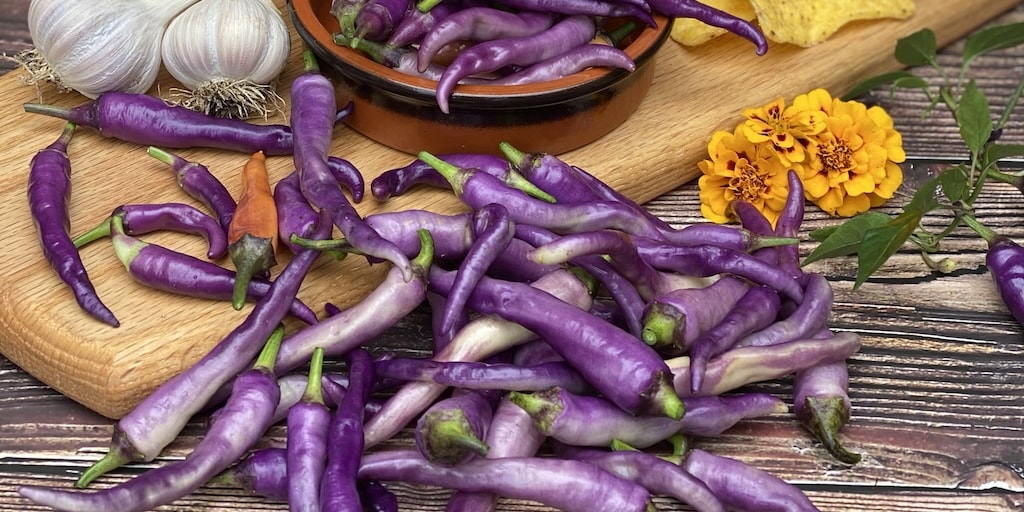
(250, 254)
(125, 247)
(314, 389)
(265, 361)
(337, 248)
(102, 230)
(119, 455)
(75, 116)
(543, 407)
(426, 5)
(984, 231)
(450, 172)
(823, 417)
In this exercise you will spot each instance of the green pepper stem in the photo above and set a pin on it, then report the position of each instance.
(268, 355)
(456, 177)
(314, 388)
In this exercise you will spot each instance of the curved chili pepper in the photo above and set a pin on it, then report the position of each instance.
(487, 56)
(345, 433)
(163, 269)
(788, 224)
(452, 430)
(494, 230)
(348, 176)
(676, 319)
(237, 427)
(597, 8)
(808, 318)
(198, 182)
(398, 181)
(252, 234)
(179, 217)
(295, 216)
(756, 309)
(313, 107)
(262, 472)
(741, 486)
(821, 402)
(157, 419)
(577, 59)
(418, 22)
(49, 189)
(306, 456)
(377, 19)
(480, 24)
(714, 17)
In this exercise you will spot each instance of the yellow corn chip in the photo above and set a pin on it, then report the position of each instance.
(692, 32)
(808, 22)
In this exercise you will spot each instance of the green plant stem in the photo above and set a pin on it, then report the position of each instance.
(1011, 104)
(979, 228)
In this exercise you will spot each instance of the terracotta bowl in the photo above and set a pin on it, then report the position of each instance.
(400, 111)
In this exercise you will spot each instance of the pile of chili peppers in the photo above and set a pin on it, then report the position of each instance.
(509, 42)
(579, 341)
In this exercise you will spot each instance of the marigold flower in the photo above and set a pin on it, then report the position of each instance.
(740, 169)
(854, 162)
(788, 129)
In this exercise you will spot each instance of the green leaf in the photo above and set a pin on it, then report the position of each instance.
(954, 183)
(924, 199)
(911, 82)
(996, 152)
(974, 118)
(880, 243)
(871, 83)
(821, 234)
(845, 238)
(992, 39)
(917, 49)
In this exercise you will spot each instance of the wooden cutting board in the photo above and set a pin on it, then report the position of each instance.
(695, 91)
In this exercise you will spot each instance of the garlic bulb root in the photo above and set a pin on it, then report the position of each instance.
(37, 70)
(223, 97)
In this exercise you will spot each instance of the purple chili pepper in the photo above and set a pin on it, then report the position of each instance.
(308, 423)
(294, 213)
(616, 363)
(452, 430)
(376, 497)
(480, 24)
(338, 491)
(821, 402)
(418, 22)
(487, 56)
(550, 173)
(1005, 261)
(567, 485)
(151, 121)
(708, 260)
(157, 419)
(593, 8)
(745, 365)
(163, 269)
(395, 182)
(400, 59)
(261, 473)
(582, 57)
(345, 11)
(510, 434)
(198, 182)
(606, 192)
(394, 298)
(657, 475)
(313, 107)
(239, 425)
(675, 319)
(49, 189)
(494, 230)
(140, 219)
(743, 487)
(477, 375)
(756, 309)
(788, 223)
(377, 19)
(808, 318)
(483, 337)
(585, 420)
(477, 189)
(348, 176)
(713, 17)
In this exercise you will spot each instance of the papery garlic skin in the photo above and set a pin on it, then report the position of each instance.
(95, 46)
(227, 41)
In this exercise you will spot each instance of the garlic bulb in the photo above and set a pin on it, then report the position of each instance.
(95, 46)
(228, 53)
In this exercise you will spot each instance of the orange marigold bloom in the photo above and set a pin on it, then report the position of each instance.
(788, 129)
(854, 162)
(740, 169)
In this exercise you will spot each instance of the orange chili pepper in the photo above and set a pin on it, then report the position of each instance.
(252, 233)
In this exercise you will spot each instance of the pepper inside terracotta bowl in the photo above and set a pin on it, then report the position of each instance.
(401, 111)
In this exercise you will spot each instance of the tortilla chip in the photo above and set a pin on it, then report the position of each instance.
(808, 22)
(693, 32)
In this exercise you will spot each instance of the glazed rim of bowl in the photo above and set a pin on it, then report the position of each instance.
(317, 29)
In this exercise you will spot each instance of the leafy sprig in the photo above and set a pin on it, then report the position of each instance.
(875, 236)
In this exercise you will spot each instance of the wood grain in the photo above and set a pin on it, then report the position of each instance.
(937, 389)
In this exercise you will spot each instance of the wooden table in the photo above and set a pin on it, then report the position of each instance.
(937, 389)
